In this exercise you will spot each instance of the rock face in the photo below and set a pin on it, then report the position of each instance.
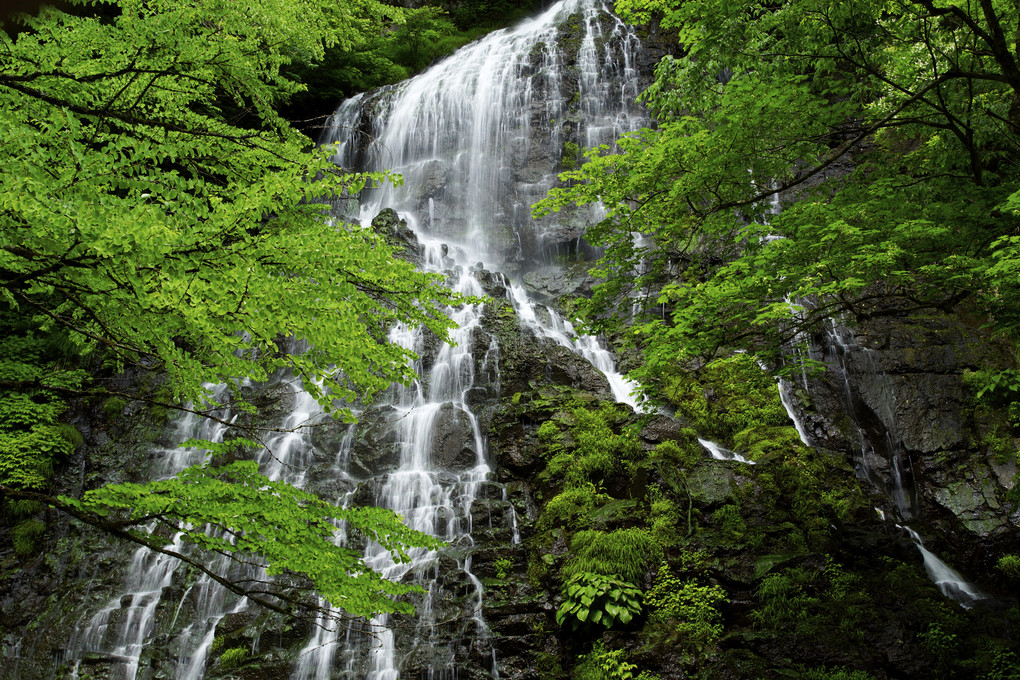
(894, 394)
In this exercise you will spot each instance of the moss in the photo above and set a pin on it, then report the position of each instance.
(25, 536)
(725, 397)
(113, 407)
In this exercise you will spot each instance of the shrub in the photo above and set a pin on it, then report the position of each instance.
(597, 600)
(1009, 565)
(692, 608)
(604, 664)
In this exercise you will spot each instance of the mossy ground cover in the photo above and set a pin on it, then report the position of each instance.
(779, 569)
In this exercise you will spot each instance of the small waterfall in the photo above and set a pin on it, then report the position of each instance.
(121, 628)
(555, 327)
(719, 453)
(878, 434)
(875, 422)
(786, 397)
(952, 585)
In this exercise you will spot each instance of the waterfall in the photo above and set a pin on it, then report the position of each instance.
(478, 139)
(121, 628)
(881, 444)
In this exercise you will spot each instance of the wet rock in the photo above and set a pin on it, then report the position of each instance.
(711, 484)
(377, 448)
(554, 283)
(398, 234)
(454, 446)
(972, 495)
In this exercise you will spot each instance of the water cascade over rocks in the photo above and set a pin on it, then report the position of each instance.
(868, 396)
(478, 139)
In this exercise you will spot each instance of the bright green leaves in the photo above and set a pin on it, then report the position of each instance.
(691, 609)
(32, 441)
(886, 129)
(232, 509)
(156, 211)
(157, 207)
(592, 600)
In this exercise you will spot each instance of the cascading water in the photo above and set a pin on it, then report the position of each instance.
(881, 445)
(719, 453)
(887, 445)
(121, 628)
(478, 139)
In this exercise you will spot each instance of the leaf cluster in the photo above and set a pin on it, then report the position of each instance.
(886, 130)
(234, 510)
(595, 600)
(158, 208)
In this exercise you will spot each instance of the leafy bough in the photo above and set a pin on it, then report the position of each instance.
(269, 526)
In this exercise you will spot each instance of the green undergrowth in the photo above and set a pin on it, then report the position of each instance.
(661, 556)
(728, 400)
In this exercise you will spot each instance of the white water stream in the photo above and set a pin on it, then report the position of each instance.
(478, 138)
(477, 141)
(847, 356)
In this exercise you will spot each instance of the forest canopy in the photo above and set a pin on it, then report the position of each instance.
(887, 132)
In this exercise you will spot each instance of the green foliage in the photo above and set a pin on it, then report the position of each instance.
(571, 157)
(572, 507)
(157, 211)
(114, 406)
(490, 13)
(730, 523)
(591, 600)
(814, 603)
(839, 673)
(232, 658)
(139, 218)
(25, 536)
(1010, 566)
(547, 431)
(387, 56)
(626, 554)
(1004, 665)
(604, 664)
(672, 454)
(689, 608)
(583, 464)
(784, 599)
(664, 518)
(504, 567)
(598, 449)
(732, 401)
(32, 440)
(919, 95)
(273, 524)
(942, 645)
